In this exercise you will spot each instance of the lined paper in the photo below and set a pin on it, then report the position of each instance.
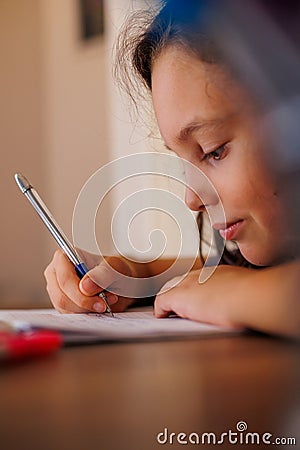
(129, 325)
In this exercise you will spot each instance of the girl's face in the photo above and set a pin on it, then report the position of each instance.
(210, 121)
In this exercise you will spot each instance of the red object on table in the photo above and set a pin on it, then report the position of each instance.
(15, 346)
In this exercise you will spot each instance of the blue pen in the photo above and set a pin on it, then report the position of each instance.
(55, 230)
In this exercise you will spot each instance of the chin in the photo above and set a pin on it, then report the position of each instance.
(258, 257)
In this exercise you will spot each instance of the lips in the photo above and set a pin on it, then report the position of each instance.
(229, 231)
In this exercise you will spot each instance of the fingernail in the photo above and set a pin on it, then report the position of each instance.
(88, 286)
(99, 307)
(111, 298)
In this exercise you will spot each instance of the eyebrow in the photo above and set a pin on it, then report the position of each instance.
(193, 126)
(204, 125)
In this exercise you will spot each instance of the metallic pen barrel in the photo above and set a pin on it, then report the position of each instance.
(55, 230)
(47, 218)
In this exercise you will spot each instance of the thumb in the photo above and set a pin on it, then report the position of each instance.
(96, 280)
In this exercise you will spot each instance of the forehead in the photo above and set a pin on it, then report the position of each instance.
(186, 89)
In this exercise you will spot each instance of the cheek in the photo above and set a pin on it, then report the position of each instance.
(233, 185)
(268, 214)
(264, 194)
(245, 182)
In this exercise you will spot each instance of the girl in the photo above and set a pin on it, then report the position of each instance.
(207, 115)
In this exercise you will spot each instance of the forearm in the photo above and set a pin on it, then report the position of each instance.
(268, 300)
(160, 266)
(160, 271)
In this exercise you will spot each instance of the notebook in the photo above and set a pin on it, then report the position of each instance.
(126, 326)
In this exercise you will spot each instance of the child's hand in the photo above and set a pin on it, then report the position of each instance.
(209, 302)
(71, 295)
(266, 300)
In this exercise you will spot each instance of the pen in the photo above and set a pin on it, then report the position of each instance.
(55, 230)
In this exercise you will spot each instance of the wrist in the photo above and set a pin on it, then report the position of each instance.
(237, 292)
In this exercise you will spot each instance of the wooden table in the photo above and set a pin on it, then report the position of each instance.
(120, 396)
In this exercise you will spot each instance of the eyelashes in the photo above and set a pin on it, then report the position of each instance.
(217, 154)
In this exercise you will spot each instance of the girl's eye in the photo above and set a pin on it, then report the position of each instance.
(217, 154)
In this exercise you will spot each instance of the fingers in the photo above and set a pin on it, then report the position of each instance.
(60, 301)
(70, 295)
(179, 299)
(165, 305)
(63, 288)
(97, 279)
(108, 274)
(103, 276)
(194, 301)
(179, 302)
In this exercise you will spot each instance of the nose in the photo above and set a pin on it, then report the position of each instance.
(193, 201)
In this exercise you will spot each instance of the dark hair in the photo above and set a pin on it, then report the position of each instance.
(147, 33)
(184, 23)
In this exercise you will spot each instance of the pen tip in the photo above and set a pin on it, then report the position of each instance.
(22, 182)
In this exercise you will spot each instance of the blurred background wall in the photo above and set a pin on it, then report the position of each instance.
(61, 118)
(55, 127)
